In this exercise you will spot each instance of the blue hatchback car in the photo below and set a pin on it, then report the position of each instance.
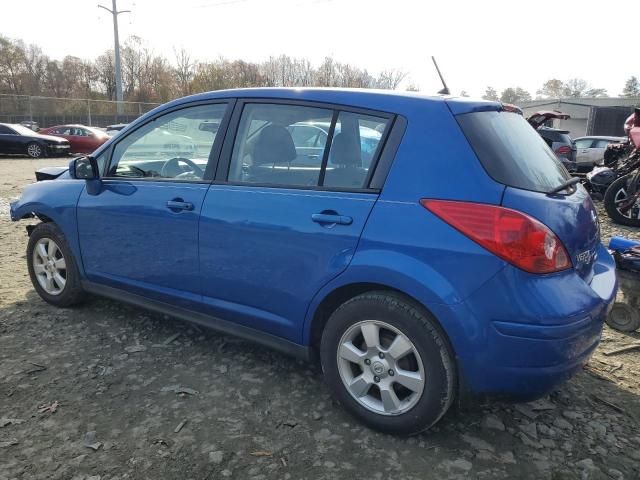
(459, 257)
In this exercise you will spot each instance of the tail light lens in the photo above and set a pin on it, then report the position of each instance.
(563, 150)
(511, 235)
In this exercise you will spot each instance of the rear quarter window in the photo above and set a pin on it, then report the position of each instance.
(511, 151)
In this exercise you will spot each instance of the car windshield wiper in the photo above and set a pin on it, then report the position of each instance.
(564, 186)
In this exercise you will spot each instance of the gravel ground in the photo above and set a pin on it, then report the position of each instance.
(105, 391)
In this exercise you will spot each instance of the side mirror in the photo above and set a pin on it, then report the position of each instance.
(84, 168)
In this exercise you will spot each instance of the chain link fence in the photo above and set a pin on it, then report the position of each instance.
(49, 111)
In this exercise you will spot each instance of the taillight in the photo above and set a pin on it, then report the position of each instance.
(563, 150)
(511, 235)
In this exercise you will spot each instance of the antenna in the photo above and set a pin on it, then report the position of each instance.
(445, 90)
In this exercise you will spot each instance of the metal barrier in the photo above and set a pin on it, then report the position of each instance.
(49, 111)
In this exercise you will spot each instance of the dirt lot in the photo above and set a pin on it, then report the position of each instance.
(107, 391)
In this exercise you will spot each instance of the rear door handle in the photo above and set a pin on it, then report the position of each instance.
(178, 204)
(330, 219)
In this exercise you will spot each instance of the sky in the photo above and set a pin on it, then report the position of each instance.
(477, 43)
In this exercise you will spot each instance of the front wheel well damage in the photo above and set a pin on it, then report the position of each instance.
(43, 219)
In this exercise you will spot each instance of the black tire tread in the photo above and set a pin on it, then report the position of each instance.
(73, 292)
(610, 206)
(400, 302)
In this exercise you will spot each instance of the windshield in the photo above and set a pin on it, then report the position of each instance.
(512, 152)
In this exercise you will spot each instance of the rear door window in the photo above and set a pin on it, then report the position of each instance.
(266, 152)
(305, 146)
(355, 143)
(511, 151)
(601, 143)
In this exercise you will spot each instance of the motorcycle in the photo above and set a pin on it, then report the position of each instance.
(618, 181)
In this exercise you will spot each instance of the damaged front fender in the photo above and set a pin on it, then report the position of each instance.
(55, 201)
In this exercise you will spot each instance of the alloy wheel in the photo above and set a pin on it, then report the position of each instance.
(34, 150)
(620, 199)
(49, 266)
(380, 367)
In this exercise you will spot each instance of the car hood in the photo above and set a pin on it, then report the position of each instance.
(51, 173)
(539, 118)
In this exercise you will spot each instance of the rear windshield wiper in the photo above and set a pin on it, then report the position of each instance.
(564, 186)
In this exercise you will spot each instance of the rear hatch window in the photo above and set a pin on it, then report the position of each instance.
(511, 151)
(515, 155)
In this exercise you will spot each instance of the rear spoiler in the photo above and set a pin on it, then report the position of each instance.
(49, 173)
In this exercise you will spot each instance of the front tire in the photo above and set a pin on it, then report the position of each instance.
(389, 363)
(52, 267)
(35, 150)
(615, 194)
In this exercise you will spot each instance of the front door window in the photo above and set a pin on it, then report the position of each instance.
(174, 146)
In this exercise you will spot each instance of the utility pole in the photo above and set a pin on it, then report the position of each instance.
(114, 11)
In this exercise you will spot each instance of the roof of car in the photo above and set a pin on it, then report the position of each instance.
(552, 130)
(601, 137)
(384, 100)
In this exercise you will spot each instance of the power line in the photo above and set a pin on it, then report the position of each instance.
(116, 42)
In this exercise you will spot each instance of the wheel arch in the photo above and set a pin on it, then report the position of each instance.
(52, 201)
(332, 299)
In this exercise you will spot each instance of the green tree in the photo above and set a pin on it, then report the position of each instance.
(631, 87)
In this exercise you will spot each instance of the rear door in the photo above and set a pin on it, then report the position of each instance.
(139, 232)
(274, 229)
(515, 156)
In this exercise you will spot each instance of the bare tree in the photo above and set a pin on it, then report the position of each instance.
(631, 88)
(575, 87)
(390, 79)
(491, 94)
(553, 88)
(184, 71)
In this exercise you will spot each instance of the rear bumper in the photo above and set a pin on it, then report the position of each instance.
(522, 335)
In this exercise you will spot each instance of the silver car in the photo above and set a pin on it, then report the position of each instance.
(590, 150)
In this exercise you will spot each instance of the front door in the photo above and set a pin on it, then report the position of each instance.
(10, 141)
(276, 225)
(140, 231)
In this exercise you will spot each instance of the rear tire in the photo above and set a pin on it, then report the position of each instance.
(52, 267)
(35, 150)
(615, 193)
(406, 383)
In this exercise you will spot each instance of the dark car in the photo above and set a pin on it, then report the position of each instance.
(18, 139)
(558, 140)
(83, 139)
(410, 282)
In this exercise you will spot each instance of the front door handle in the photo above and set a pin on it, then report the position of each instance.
(178, 204)
(331, 219)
